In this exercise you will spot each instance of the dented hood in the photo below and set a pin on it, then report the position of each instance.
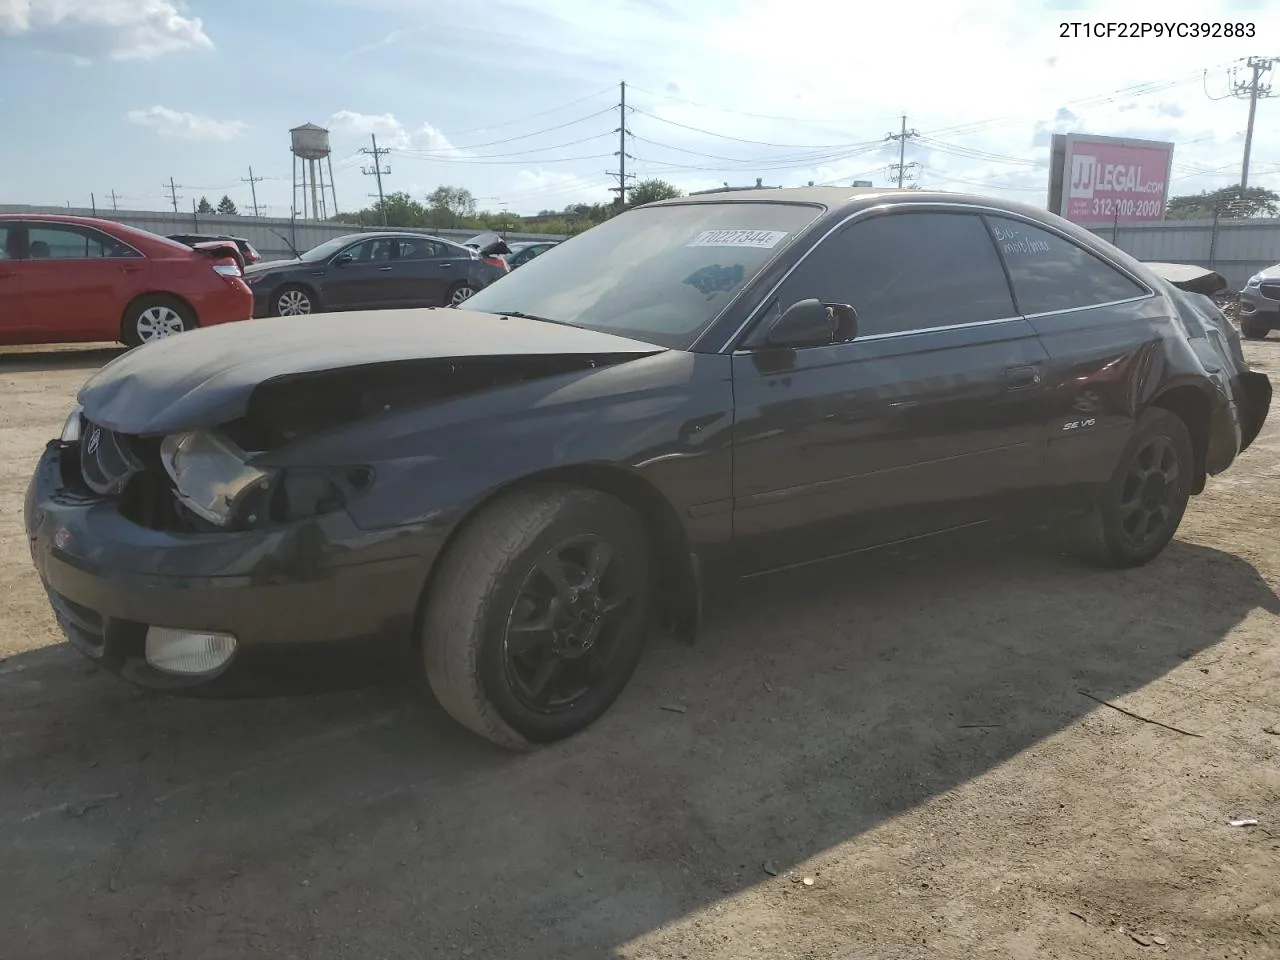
(207, 376)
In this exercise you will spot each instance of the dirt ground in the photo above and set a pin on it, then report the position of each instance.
(908, 733)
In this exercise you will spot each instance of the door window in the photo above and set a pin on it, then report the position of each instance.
(1049, 272)
(68, 242)
(907, 271)
(8, 241)
(373, 250)
(422, 248)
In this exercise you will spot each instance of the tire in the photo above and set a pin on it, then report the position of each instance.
(1253, 329)
(492, 578)
(294, 300)
(459, 292)
(154, 318)
(1161, 445)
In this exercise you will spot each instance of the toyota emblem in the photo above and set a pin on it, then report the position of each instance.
(95, 437)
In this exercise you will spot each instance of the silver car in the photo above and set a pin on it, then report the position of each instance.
(1260, 304)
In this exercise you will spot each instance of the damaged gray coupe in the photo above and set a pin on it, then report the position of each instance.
(505, 497)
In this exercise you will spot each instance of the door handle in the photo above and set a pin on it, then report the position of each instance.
(445, 266)
(384, 269)
(1022, 378)
(130, 269)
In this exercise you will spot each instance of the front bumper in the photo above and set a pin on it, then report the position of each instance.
(1255, 306)
(308, 603)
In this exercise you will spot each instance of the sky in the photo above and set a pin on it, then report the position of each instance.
(518, 100)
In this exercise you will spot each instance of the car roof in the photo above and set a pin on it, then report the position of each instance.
(849, 199)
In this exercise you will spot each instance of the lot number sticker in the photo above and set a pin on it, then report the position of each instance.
(759, 239)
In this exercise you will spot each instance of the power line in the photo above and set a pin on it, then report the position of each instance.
(807, 121)
(532, 116)
(427, 155)
(725, 136)
(538, 133)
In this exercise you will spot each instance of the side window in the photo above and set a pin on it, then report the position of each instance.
(907, 271)
(423, 249)
(66, 242)
(8, 241)
(374, 249)
(1049, 272)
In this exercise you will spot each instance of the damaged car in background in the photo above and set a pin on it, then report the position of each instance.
(507, 495)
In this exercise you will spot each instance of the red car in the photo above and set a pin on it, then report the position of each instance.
(78, 279)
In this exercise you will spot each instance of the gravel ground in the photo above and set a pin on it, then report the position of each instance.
(888, 758)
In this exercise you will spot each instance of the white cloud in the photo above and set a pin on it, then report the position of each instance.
(186, 126)
(119, 29)
(426, 141)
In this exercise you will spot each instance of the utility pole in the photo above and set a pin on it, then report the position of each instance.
(114, 207)
(1253, 89)
(622, 155)
(377, 171)
(173, 194)
(900, 168)
(93, 204)
(253, 188)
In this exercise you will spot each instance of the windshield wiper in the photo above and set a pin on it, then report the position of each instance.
(529, 316)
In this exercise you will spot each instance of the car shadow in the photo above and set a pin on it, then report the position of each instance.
(58, 357)
(815, 705)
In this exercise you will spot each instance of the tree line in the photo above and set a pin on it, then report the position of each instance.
(449, 207)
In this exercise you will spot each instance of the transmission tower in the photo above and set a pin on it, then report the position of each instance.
(621, 173)
(1253, 89)
(377, 170)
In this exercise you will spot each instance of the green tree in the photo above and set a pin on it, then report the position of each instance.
(450, 206)
(227, 208)
(205, 206)
(1227, 202)
(650, 191)
(400, 209)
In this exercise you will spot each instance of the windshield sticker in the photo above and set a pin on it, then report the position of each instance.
(760, 239)
(716, 279)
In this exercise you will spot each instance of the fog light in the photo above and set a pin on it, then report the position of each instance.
(188, 651)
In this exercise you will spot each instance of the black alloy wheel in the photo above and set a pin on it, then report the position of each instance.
(567, 624)
(536, 617)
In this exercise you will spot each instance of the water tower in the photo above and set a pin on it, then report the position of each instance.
(310, 147)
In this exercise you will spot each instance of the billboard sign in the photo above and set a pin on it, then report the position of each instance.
(1095, 181)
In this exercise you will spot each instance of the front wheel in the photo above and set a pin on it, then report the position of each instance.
(1141, 507)
(293, 300)
(537, 618)
(1254, 329)
(153, 318)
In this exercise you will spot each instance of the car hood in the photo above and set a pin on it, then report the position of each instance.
(207, 376)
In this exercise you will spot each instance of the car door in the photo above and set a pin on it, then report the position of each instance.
(13, 321)
(77, 281)
(367, 280)
(1098, 325)
(427, 270)
(929, 419)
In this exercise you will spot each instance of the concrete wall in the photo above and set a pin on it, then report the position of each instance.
(1235, 248)
(303, 234)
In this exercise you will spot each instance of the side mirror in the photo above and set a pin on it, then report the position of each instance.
(342, 259)
(812, 323)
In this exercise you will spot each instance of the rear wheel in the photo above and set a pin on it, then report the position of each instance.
(1141, 507)
(293, 300)
(459, 292)
(153, 318)
(537, 618)
(1252, 328)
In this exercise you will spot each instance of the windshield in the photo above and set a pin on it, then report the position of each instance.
(327, 249)
(658, 274)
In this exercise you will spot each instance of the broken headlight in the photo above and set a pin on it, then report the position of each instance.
(211, 475)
